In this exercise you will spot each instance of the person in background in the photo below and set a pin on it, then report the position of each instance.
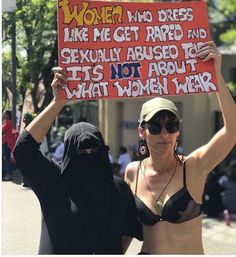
(109, 154)
(212, 204)
(168, 187)
(8, 142)
(85, 209)
(228, 182)
(123, 160)
(59, 151)
(116, 169)
(27, 118)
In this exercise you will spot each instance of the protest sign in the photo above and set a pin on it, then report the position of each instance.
(119, 49)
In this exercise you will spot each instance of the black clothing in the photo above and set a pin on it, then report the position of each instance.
(89, 183)
(85, 209)
(212, 198)
(179, 208)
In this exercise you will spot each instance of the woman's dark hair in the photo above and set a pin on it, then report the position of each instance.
(178, 157)
(123, 149)
(8, 113)
(162, 115)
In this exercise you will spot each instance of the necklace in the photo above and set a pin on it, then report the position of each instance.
(158, 204)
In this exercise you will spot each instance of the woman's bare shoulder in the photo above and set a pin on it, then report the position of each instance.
(130, 171)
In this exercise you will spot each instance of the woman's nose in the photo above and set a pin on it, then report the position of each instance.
(164, 131)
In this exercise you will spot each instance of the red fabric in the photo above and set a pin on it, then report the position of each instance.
(7, 134)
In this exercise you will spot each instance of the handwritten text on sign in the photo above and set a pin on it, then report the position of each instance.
(116, 50)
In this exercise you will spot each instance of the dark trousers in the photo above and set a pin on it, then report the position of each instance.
(7, 164)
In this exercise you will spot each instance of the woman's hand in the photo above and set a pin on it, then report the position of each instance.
(209, 51)
(60, 80)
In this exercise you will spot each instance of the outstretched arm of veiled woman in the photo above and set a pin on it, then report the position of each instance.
(39, 127)
(32, 163)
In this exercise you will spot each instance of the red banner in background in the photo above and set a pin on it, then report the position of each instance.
(120, 49)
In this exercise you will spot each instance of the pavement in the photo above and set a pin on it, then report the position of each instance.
(20, 213)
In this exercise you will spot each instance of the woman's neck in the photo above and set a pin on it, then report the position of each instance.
(161, 164)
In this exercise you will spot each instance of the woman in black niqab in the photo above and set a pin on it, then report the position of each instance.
(85, 209)
(89, 180)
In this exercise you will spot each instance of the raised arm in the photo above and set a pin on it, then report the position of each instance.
(39, 127)
(211, 154)
(42, 173)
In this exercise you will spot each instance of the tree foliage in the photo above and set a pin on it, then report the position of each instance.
(36, 46)
(6, 76)
(223, 19)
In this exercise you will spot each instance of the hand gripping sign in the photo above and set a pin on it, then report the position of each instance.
(120, 49)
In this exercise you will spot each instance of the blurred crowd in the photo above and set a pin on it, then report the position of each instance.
(219, 199)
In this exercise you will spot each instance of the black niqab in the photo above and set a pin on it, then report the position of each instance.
(89, 181)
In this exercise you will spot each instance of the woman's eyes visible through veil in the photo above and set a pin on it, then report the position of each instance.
(89, 150)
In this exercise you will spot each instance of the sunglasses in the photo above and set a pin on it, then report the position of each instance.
(156, 128)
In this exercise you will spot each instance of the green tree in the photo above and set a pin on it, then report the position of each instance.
(6, 77)
(223, 20)
(36, 47)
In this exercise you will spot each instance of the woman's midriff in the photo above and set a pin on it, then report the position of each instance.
(169, 238)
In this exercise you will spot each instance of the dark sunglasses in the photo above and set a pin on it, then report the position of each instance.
(156, 128)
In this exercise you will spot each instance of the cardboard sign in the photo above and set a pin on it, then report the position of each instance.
(119, 49)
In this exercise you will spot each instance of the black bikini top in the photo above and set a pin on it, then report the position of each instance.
(179, 208)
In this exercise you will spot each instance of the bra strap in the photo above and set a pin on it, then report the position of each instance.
(184, 174)
(136, 185)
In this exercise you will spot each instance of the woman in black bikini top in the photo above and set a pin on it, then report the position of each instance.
(180, 207)
(168, 187)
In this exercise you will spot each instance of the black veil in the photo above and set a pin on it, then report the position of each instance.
(89, 182)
